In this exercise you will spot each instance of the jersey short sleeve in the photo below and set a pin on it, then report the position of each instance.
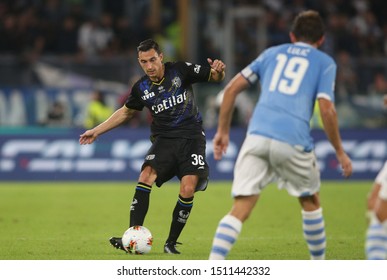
(134, 101)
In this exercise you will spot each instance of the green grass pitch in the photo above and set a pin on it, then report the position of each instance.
(74, 220)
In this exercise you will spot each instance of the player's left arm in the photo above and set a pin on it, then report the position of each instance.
(231, 91)
(217, 70)
(331, 127)
(117, 118)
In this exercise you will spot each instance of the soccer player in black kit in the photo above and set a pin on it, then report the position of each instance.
(177, 136)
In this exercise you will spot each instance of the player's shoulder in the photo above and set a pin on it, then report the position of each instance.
(273, 51)
(174, 64)
(323, 55)
(316, 54)
(278, 48)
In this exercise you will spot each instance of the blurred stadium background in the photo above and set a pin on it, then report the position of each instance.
(55, 54)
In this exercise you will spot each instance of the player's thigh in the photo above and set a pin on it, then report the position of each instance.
(252, 171)
(381, 203)
(381, 209)
(297, 170)
(381, 179)
(373, 195)
(191, 158)
(161, 157)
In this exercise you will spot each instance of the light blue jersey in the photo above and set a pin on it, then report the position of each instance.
(292, 76)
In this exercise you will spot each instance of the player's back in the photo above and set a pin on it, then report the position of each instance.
(292, 76)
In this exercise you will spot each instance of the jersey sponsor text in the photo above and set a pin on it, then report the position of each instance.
(169, 102)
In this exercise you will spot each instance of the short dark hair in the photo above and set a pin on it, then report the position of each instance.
(147, 45)
(308, 26)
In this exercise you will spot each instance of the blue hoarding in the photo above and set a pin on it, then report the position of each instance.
(47, 154)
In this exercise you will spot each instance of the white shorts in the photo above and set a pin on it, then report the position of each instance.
(381, 179)
(262, 160)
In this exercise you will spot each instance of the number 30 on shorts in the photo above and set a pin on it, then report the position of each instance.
(197, 159)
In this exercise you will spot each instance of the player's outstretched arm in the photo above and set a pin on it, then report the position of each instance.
(217, 70)
(331, 127)
(117, 118)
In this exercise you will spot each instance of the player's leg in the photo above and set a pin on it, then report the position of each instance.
(252, 173)
(230, 226)
(181, 212)
(313, 226)
(140, 202)
(300, 176)
(192, 169)
(371, 200)
(376, 236)
(156, 168)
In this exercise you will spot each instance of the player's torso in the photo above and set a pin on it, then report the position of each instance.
(290, 77)
(171, 101)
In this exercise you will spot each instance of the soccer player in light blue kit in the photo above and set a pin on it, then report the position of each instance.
(376, 236)
(278, 145)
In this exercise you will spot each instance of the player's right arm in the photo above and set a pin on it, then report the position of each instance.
(221, 138)
(331, 127)
(116, 119)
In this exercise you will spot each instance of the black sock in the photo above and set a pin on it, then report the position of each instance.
(140, 204)
(179, 217)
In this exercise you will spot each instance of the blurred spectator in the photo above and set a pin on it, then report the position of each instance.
(67, 38)
(277, 29)
(371, 107)
(56, 116)
(95, 37)
(379, 87)
(125, 40)
(33, 36)
(369, 34)
(316, 120)
(244, 106)
(10, 42)
(97, 110)
(347, 80)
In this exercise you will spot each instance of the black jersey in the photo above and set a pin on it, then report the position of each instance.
(171, 101)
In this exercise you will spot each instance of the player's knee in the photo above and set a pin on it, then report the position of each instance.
(381, 210)
(148, 175)
(187, 190)
(241, 214)
(187, 185)
(310, 203)
(372, 197)
(243, 207)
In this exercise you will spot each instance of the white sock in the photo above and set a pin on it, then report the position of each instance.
(376, 240)
(225, 236)
(314, 233)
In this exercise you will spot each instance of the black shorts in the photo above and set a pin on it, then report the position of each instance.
(178, 157)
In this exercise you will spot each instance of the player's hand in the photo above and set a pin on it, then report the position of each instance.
(87, 137)
(345, 163)
(220, 144)
(217, 65)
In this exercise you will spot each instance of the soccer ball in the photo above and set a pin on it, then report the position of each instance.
(137, 240)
